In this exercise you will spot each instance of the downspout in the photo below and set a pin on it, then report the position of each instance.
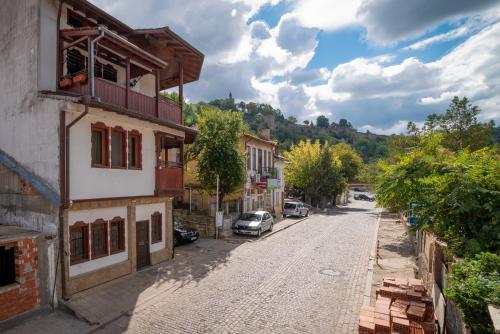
(58, 43)
(64, 186)
(92, 60)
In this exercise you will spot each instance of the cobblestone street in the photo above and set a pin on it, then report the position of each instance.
(309, 278)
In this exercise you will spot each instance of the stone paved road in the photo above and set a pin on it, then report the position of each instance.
(309, 278)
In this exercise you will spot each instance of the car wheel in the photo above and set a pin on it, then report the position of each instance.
(259, 233)
(284, 216)
(176, 241)
(307, 213)
(271, 227)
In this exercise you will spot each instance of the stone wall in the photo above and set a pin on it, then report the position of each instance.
(23, 295)
(203, 223)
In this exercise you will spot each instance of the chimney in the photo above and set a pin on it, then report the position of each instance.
(266, 134)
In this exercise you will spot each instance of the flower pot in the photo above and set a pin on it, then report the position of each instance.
(65, 83)
(80, 78)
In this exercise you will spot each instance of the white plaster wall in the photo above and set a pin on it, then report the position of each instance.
(87, 182)
(89, 216)
(47, 62)
(144, 212)
(146, 85)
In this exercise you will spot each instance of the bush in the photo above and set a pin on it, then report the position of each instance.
(472, 285)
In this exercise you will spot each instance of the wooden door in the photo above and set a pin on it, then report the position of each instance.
(142, 243)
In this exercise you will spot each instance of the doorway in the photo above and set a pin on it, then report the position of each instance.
(142, 243)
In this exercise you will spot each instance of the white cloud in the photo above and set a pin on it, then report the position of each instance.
(326, 14)
(448, 36)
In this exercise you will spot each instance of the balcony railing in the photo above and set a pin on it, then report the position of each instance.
(116, 95)
(169, 181)
(268, 173)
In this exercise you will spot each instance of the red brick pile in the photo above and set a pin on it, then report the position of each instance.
(402, 306)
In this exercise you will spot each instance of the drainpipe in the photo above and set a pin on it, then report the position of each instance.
(59, 53)
(92, 60)
(64, 188)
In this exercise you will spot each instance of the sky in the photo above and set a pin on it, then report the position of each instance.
(377, 63)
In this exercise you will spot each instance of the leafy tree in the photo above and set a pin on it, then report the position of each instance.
(291, 120)
(474, 284)
(343, 123)
(216, 151)
(322, 122)
(315, 170)
(350, 160)
(306, 122)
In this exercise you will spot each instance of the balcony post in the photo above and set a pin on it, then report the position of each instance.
(127, 83)
(89, 69)
(157, 87)
(181, 90)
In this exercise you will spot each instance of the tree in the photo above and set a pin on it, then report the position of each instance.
(343, 123)
(322, 122)
(291, 120)
(350, 160)
(306, 122)
(216, 151)
(315, 170)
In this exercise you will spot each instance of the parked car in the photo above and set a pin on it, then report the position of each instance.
(296, 209)
(363, 197)
(183, 234)
(254, 223)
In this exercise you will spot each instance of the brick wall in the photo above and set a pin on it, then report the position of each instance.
(23, 295)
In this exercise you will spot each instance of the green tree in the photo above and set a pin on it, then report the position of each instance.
(474, 284)
(322, 122)
(350, 160)
(216, 150)
(292, 120)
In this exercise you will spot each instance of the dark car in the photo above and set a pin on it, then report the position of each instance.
(363, 197)
(183, 234)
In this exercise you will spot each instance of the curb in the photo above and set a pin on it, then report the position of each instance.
(367, 295)
(281, 229)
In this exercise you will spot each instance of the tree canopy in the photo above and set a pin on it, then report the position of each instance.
(216, 150)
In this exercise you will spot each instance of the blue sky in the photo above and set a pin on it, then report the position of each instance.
(378, 63)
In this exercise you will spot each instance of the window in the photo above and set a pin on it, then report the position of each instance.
(118, 147)
(254, 159)
(260, 161)
(100, 145)
(265, 160)
(134, 149)
(79, 242)
(7, 265)
(269, 160)
(117, 235)
(99, 238)
(75, 61)
(249, 162)
(109, 73)
(156, 231)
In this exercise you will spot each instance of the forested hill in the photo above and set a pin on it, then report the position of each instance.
(288, 131)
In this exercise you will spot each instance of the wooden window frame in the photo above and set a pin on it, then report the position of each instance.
(122, 247)
(153, 221)
(86, 248)
(101, 127)
(106, 238)
(138, 149)
(123, 133)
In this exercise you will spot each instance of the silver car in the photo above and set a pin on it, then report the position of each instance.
(254, 223)
(296, 209)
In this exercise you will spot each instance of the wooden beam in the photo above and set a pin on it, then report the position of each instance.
(78, 41)
(89, 71)
(157, 87)
(181, 90)
(127, 83)
(77, 33)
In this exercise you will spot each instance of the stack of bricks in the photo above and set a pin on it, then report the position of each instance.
(402, 307)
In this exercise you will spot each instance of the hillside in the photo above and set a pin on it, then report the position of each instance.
(288, 132)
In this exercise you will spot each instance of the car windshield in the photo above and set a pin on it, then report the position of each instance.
(290, 205)
(177, 223)
(253, 217)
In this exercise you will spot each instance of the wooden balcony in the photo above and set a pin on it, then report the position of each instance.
(169, 181)
(114, 94)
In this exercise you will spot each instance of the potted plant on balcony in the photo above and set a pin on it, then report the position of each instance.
(66, 81)
(80, 77)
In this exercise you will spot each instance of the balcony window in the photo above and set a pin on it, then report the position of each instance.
(118, 148)
(117, 235)
(254, 159)
(75, 61)
(259, 167)
(134, 149)
(269, 160)
(249, 161)
(99, 145)
(79, 242)
(99, 238)
(109, 73)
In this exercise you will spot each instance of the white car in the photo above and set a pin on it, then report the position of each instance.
(296, 209)
(254, 223)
